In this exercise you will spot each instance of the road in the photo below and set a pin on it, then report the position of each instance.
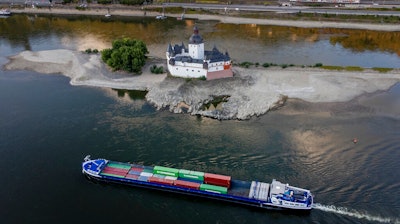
(285, 9)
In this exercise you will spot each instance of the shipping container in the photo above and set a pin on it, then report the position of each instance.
(166, 171)
(134, 172)
(191, 180)
(187, 184)
(137, 169)
(112, 169)
(112, 175)
(190, 174)
(132, 176)
(145, 174)
(213, 188)
(118, 165)
(159, 176)
(143, 178)
(160, 180)
(171, 178)
(217, 179)
(114, 172)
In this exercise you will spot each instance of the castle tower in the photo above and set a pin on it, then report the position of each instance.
(196, 45)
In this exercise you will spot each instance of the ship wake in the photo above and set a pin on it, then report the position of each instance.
(355, 213)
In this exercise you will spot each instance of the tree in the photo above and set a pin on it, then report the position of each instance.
(126, 54)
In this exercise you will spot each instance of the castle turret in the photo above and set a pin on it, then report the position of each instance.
(196, 45)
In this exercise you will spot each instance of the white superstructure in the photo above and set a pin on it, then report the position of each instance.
(195, 62)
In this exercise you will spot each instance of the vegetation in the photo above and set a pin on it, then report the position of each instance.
(156, 70)
(90, 51)
(126, 54)
(382, 70)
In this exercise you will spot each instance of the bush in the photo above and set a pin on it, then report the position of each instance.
(284, 66)
(126, 54)
(104, 2)
(245, 64)
(265, 65)
(157, 70)
(131, 2)
(318, 65)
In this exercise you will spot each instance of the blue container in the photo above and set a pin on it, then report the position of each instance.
(190, 180)
(134, 172)
(143, 178)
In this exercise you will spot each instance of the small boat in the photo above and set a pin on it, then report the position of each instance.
(108, 13)
(5, 12)
(162, 16)
(274, 195)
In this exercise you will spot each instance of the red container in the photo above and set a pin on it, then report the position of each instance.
(187, 184)
(113, 169)
(137, 169)
(160, 180)
(131, 176)
(113, 172)
(217, 179)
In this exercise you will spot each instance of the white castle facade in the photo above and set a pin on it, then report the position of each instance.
(195, 62)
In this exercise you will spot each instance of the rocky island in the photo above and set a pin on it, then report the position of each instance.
(251, 92)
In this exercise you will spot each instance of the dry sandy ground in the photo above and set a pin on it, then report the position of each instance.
(251, 92)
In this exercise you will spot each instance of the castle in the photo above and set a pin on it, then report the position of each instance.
(195, 62)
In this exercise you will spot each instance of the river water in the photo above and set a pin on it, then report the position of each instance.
(47, 126)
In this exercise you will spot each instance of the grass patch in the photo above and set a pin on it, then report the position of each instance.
(382, 70)
(332, 67)
(354, 69)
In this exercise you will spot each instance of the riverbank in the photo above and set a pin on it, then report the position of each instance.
(251, 92)
(139, 12)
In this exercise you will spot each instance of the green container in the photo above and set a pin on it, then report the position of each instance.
(190, 174)
(213, 188)
(112, 175)
(118, 165)
(167, 171)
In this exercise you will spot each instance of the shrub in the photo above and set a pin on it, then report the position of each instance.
(245, 64)
(126, 54)
(318, 65)
(157, 70)
(265, 65)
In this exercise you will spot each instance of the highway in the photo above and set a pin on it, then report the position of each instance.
(355, 9)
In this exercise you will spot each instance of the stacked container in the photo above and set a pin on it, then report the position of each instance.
(191, 175)
(217, 179)
(167, 171)
(115, 170)
(134, 172)
(213, 188)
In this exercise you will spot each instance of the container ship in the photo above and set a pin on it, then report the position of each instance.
(274, 195)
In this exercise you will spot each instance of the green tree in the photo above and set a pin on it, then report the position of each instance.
(126, 54)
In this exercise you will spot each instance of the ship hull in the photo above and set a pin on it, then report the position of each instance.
(193, 192)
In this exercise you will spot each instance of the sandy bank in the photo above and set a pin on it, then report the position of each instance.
(251, 92)
(221, 18)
